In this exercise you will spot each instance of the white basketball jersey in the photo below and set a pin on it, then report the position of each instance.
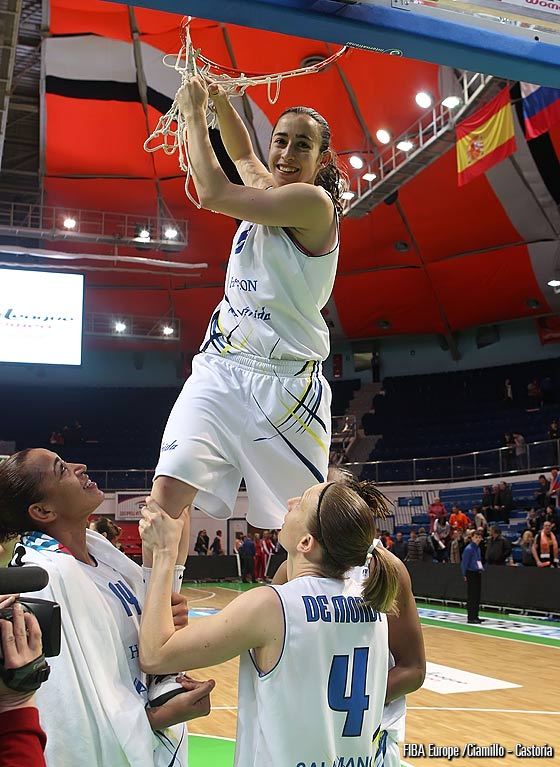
(322, 703)
(273, 297)
(394, 713)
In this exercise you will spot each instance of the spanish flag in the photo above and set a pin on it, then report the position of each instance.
(485, 138)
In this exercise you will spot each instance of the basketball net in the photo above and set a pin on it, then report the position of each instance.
(170, 133)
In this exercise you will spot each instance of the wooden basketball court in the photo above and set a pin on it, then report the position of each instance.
(516, 652)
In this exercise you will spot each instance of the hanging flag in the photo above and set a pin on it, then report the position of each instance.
(485, 138)
(541, 108)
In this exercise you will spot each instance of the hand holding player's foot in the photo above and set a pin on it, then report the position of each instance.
(159, 531)
(192, 703)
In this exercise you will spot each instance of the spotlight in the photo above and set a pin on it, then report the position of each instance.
(348, 195)
(142, 233)
(554, 283)
(170, 233)
(383, 136)
(405, 145)
(356, 162)
(69, 222)
(167, 330)
(120, 327)
(423, 100)
(451, 102)
(384, 324)
(533, 303)
(369, 176)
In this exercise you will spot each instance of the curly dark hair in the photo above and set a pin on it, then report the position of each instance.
(331, 177)
(20, 486)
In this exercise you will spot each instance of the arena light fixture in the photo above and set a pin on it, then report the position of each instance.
(170, 233)
(142, 233)
(554, 283)
(120, 327)
(348, 195)
(423, 99)
(451, 102)
(167, 330)
(369, 176)
(383, 136)
(405, 145)
(69, 222)
(356, 161)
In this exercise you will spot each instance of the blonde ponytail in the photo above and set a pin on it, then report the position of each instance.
(382, 584)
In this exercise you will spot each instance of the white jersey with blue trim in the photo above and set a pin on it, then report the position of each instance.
(273, 297)
(331, 679)
(394, 713)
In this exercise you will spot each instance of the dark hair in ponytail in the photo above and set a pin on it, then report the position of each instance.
(20, 487)
(331, 177)
(345, 527)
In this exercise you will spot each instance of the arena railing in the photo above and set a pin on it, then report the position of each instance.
(479, 464)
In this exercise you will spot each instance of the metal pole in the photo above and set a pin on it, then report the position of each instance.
(528, 457)
(414, 469)
(474, 466)
(501, 471)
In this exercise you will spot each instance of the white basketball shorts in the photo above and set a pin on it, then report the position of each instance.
(241, 416)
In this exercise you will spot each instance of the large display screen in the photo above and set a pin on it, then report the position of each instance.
(41, 317)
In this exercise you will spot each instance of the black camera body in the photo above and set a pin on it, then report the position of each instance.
(48, 617)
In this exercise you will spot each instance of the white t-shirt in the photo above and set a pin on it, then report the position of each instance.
(126, 608)
(274, 293)
(330, 680)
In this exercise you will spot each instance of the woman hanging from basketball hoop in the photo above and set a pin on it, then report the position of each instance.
(257, 405)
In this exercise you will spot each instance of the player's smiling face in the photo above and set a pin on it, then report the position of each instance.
(294, 153)
(66, 488)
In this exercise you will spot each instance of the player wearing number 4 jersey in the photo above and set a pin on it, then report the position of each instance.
(309, 654)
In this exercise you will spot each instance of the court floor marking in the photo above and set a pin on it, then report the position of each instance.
(200, 599)
(468, 629)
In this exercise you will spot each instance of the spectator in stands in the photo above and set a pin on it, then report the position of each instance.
(386, 539)
(479, 518)
(472, 568)
(503, 502)
(508, 452)
(520, 451)
(247, 554)
(399, 546)
(498, 549)
(456, 547)
(554, 433)
(534, 396)
(545, 547)
(260, 559)
(554, 486)
(109, 530)
(274, 540)
(426, 546)
(508, 393)
(202, 543)
(436, 510)
(549, 516)
(487, 503)
(56, 438)
(541, 494)
(413, 548)
(216, 548)
(458, 518)
(532, 521)
(526, 543)
(441, 539)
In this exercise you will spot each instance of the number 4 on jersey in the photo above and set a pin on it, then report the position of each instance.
(357, 702)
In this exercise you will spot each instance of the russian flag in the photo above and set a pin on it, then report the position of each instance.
(541, 108)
